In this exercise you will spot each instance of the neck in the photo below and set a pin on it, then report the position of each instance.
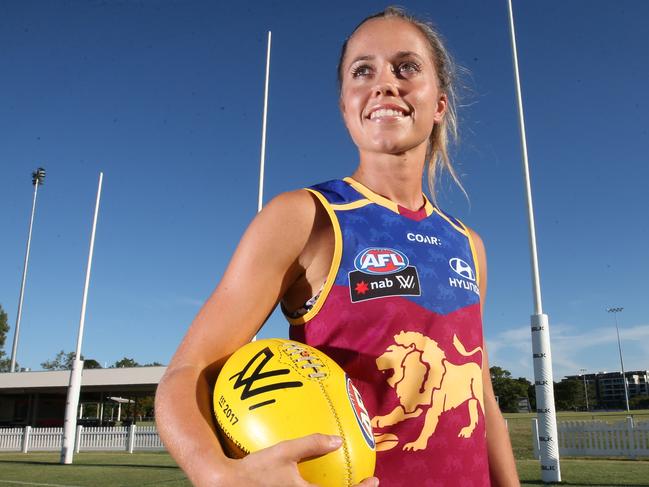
(394, 176)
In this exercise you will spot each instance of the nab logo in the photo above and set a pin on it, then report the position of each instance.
(380, 261)
(462, 268)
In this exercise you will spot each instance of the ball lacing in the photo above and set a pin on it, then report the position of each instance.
(300, 354)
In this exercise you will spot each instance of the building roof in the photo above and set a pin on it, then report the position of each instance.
(135, 379)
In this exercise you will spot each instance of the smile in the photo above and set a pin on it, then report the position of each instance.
(387, 112)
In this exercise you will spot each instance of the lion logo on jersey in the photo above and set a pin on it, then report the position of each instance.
(424, 378)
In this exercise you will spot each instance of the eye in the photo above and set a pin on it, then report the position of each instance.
(408, 67)
(361, 70)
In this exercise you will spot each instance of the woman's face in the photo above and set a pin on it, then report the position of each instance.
(389, 96)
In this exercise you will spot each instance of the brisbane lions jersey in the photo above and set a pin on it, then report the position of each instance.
(400, 312)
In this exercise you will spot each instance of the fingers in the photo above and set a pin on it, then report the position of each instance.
(308, 446)
(369, 482)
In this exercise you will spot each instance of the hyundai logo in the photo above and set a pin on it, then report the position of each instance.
(462, 268)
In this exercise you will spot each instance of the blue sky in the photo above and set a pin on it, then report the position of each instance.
(165, 97)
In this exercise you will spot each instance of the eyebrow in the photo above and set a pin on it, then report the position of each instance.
(399, 55)
(367, 57)
(402, 54)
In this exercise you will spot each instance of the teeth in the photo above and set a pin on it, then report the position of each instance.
(385, 112)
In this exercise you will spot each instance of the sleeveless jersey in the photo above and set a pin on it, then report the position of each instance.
(400, 312)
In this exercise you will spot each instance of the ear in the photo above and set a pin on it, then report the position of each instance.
(442, 103)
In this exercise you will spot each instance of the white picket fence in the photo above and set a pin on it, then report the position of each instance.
(50, 439)
(599, 438)
(11, 439)
(576, 438)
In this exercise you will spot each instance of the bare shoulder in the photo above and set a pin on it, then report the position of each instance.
(478, 243)
(284, 225)
(279, 233)
(298, 201)
(265, 264)
(292, 211)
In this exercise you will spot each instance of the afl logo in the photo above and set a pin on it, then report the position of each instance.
(361, 413)
(462, 268)
(380, 261)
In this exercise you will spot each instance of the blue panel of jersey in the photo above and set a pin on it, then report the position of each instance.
(440, 251)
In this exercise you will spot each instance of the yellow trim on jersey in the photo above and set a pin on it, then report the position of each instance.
(335, 263)
(381, 200)
(351, 206)
(371, 195)
(428, 205)
(476, 261)
(461, 229)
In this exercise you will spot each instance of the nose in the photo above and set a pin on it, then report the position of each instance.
(386, 83)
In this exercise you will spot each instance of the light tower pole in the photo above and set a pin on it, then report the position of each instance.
(615, 311)
(38, 177)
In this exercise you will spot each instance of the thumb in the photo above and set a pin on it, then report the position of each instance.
(310, 446)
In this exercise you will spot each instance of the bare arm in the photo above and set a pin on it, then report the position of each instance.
(266, 263)
(502, 466)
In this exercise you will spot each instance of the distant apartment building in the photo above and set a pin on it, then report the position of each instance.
(609, 386)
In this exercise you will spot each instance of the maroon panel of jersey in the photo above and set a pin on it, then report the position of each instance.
(400, 312)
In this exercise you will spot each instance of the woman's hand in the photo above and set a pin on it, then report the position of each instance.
(276, 466)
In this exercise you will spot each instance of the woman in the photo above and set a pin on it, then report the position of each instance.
(369, 271)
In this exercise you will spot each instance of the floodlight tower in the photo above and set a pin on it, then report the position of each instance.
(38, 177)
(615, 311)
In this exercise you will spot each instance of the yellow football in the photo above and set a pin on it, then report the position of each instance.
(275, 389)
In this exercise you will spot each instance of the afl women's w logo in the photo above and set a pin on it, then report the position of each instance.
(380, 261)
(462, 268)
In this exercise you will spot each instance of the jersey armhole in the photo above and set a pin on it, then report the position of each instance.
(335, 262)
(476, 261)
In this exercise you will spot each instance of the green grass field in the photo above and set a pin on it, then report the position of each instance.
(520, 427)
(117, 469)
(91, 469)
(104, 469)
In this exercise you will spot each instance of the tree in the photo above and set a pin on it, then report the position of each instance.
(4, 329)
(125, 362)
(145, 407)
(568, 394)
(639, 402)
(508, 389)
(63, 361)
(531, 393)
(590, 388)
(91, 364)
(129, 362)
(5, 363)
(526, 390)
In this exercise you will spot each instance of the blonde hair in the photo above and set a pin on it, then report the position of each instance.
(445, 132)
